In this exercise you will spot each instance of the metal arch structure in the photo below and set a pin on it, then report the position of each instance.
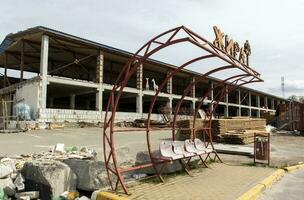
(164, 40)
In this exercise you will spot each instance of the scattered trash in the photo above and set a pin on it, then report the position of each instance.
(58, 148)
(270, 129)
(139, 176)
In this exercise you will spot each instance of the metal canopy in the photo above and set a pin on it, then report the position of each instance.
(169, 38)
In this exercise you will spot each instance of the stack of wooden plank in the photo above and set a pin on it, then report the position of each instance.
(230, 130)
(186, 126)
(237, 130)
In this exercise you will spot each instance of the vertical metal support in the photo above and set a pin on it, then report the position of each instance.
(44, 69)
(21, 60)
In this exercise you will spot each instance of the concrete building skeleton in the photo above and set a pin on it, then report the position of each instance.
(71, 77)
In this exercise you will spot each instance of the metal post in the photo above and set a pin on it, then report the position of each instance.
(72, 101)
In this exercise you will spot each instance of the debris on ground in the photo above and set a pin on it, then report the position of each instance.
(46, 175)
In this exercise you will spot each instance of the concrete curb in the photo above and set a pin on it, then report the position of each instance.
(254, 192)
(293, 168)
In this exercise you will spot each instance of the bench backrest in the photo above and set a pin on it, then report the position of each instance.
(165, 148)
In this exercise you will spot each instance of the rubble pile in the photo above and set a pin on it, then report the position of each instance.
(56, 174)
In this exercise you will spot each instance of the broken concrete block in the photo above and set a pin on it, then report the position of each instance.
(19, 182)
(5, 171)
(143, 158)
(91, 174)
(29, 194)
(50, 178)
(8, 186)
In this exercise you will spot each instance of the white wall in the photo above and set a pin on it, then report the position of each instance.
(28, 94)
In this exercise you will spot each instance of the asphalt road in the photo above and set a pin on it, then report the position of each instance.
(290, 187)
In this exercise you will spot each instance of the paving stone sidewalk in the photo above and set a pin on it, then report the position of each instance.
(219, 182)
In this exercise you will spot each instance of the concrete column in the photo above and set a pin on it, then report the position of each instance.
(193, 89)
(239, 96)
(249, 103)
(51, 99)
(99, 67)
(139, 104)
(211, 93)
(227, 102)
(169, 104)
(139, 77)
(266, 102)
(272, 104)
(99, 96)
(259, 113)
(72, 101)
(44, 69)
(258, 103)
(193, 104)
(226, 111)
(239, 111)
(169, 84)
(87, 104)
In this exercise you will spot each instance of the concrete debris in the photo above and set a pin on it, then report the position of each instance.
(29, 194)
(51, 178)
(19, 182)
(90, 173)
(67, 195)
(5, 171)
(45, 173)
(8, 187)
(7, 167)
(58, 148)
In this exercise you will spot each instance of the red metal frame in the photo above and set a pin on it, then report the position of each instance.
(156, 44)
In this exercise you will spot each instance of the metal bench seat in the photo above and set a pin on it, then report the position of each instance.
(190, 147)
(199, 145)
(179, 148)
(166, 151)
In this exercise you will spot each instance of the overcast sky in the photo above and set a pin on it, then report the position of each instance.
(273, 27)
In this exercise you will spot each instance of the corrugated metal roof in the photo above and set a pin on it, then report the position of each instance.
(13, 36)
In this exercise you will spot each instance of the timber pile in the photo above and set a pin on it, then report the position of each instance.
(185, 127)
(232, 130)
(237, 130)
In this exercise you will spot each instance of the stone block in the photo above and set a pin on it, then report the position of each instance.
(91, 174)
(50, 178)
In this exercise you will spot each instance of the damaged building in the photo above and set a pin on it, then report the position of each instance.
(62, 77)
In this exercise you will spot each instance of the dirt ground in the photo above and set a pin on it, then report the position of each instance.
(286, 149)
